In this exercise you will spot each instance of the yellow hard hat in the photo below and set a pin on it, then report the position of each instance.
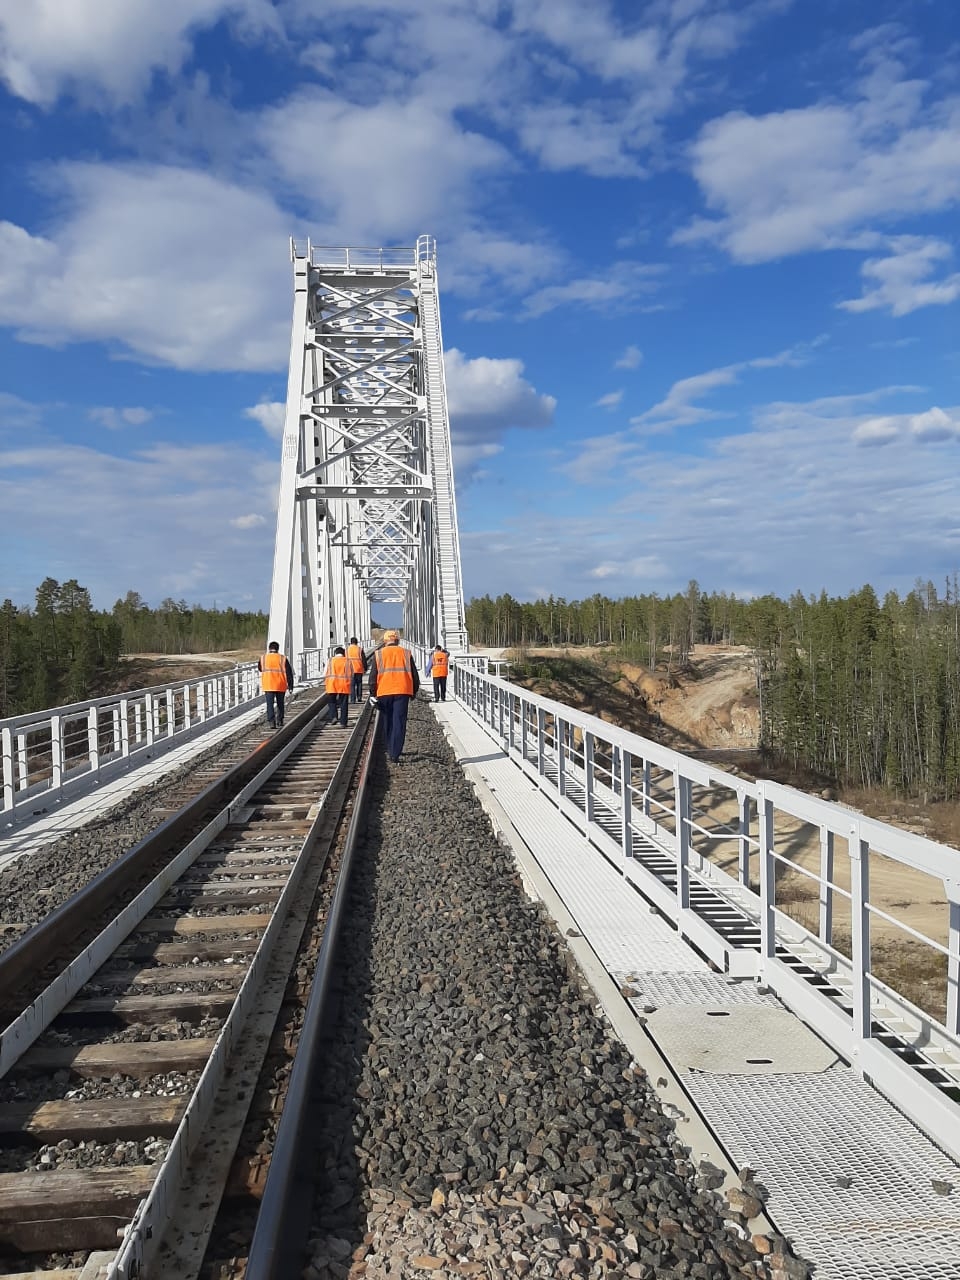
(390, 637)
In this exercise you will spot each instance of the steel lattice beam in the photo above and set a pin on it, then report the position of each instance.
(367, 510)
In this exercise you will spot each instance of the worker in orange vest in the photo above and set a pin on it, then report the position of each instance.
(338, 678)
(358, 663)
(394, 680)
(438, 666)
(276, 677)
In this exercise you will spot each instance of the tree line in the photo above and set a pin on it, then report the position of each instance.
(63, 650)
(861, 691)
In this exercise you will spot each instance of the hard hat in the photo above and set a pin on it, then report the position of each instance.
(390, 637)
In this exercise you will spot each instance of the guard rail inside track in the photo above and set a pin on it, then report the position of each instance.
(768, 883)
(161, 1023)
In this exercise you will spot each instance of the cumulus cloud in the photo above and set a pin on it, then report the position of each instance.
(170, 265)
(486, 398)
(390, 170)
(876, 431)
(610, 401)
(113, 419)
(270, 415)
(810, 178)
(108, 47)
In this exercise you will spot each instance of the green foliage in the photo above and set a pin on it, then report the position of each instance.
(849, 688)
(64, 649)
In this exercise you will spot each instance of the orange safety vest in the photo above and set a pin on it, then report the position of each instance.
(439, 667)
(355, 654)
(273, 673)
(393, 672)
(337, 678)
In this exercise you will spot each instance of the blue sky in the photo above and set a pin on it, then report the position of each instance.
(698, 264)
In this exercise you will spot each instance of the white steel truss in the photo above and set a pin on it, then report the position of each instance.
(367, 509)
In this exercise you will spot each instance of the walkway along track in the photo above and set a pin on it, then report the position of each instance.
(194, 970)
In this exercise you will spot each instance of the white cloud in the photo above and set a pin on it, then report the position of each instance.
(610, 401)
(113, 419)
(270, 415)
(160, 521)
(809, 178)
(486, 398)
(48, 47)
(793, 502)
(390, 171)
(632, 358)
(935, 425)
(679, 407)
(876, 431)
(620, 287)
(901, 282)
(170, 265)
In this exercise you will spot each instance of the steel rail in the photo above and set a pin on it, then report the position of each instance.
(66, 925)
(156, 1215)
(280, 1236)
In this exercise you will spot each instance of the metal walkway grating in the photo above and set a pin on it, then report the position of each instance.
(812, 1134)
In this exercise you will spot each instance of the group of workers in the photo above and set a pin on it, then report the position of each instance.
(394, 680)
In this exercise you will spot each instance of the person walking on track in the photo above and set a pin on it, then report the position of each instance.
(276, 678)
(394, 680)
(358, 664)
(338, 679)
(438, 666)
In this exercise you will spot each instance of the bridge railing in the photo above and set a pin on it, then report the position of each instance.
(48, 756)
(853, 922)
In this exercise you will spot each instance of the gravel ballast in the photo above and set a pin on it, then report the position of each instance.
(481, 1117)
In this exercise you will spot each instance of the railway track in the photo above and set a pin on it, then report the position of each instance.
(127, 1081)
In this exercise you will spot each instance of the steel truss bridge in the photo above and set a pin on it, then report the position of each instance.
(367, 510)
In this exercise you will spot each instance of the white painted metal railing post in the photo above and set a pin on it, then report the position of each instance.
(743, 847)
(124, 726)
(56, 753)
(626, 795)
(559, 737)
(171, 714)
(952, 888)
(93, 739)
(22, 760)
(859, 851)
(7, 747)
(588, 770)
(768, 873)
(826, 884)
(148, 714)
(646, 788)
(541, 735)
(683, 810)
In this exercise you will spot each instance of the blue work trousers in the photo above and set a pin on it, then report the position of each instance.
(274, 702)
(356, 687)
(393, 709)
(337, 707)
